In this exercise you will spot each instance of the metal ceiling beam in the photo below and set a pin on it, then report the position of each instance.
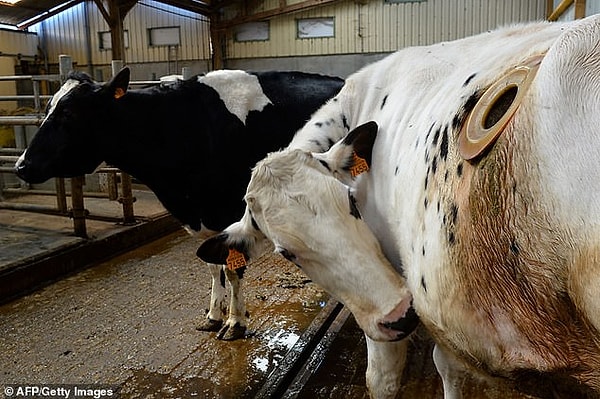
(47, 14)
(202, 8)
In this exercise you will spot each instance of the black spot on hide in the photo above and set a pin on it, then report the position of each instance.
(396, 171)
(423, 283)
(444, 145)
(353, 207)
(454, 213)
(451, 238)
(319, 124)
(434, 165)
(466, 109)
(469, 79)
(345, 122)
(384, 101)
(436, 137)
(222, 278)
(459, 169)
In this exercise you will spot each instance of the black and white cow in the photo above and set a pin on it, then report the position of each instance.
(482, 191)
(193, 144)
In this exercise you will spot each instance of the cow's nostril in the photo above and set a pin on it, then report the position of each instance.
(405, 325)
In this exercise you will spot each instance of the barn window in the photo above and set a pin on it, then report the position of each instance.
(168, 36)
(104, 42)
(309, 28)
(252, 31)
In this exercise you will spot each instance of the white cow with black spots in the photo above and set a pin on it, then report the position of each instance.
(483, 193)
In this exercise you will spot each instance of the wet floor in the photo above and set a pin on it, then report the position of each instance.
(131, 322)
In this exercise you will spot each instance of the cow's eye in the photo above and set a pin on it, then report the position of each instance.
(286, 254)
(325, 164)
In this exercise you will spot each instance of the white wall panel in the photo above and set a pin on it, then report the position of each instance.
(375, 26)
(65, 33)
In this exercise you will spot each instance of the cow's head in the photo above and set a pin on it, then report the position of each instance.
(295, 202)
(68, 142)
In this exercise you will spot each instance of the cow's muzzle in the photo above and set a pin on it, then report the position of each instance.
(404, 326)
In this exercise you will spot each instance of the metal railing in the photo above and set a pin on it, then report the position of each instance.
(8, 157)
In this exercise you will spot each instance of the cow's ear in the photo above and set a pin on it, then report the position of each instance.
(214, 250)
(362, 139)
(351, 156)
(119, 84)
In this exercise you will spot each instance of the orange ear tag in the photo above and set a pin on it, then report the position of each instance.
(359, 165)
(235, 259)
(119, 92)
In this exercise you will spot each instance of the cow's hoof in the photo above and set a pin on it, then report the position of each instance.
(228, 333)
(209, 325)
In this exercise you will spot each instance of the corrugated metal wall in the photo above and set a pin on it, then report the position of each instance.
(375, 26)
(12, 43)
(65, 33)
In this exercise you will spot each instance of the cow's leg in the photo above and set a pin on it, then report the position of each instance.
(214, 318)
(452, 371)
(385, 364)
(235, 326)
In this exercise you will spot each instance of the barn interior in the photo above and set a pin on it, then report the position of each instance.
(99, 284)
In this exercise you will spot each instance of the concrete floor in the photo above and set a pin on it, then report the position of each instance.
(130, 323)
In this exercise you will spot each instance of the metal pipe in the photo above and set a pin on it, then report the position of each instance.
(24, 97)
(31, 208)
(22, 120)
(53, 78)
(11, 151)
(51, 193)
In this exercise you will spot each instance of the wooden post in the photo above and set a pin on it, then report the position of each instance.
(127, 199)
(61, 195)
(78, 211)
(218, 42)
(549, 8)
(579, 9)
(77, 207)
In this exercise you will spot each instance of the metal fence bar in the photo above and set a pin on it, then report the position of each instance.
(22, 120)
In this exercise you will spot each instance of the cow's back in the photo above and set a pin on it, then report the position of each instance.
(493, 247)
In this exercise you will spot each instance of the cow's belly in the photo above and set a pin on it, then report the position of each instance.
(495, 345)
